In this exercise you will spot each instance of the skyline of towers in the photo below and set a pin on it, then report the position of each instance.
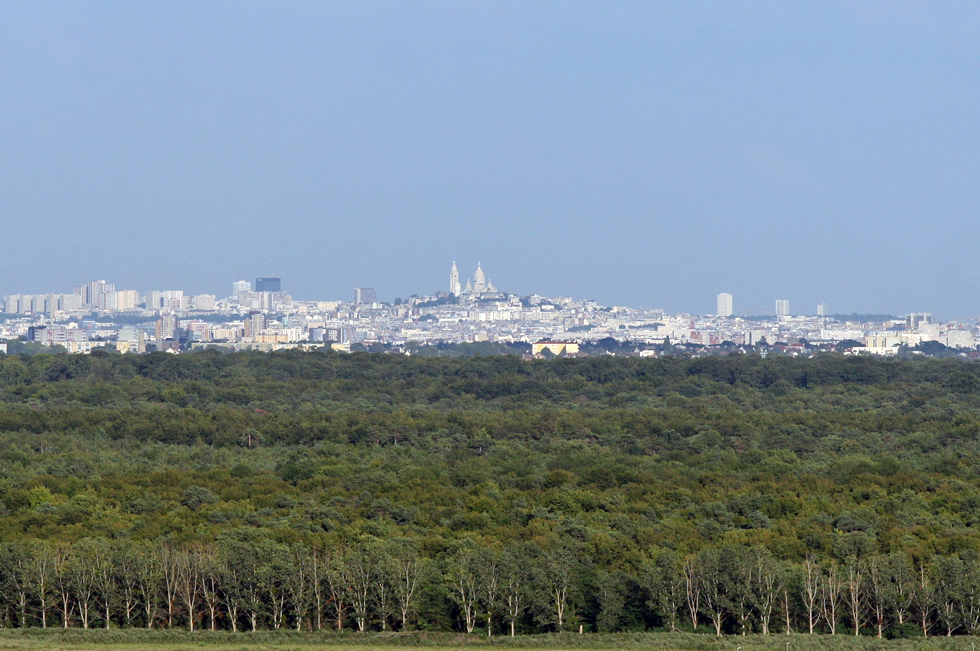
(725, 306)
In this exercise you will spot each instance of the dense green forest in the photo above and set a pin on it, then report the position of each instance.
(833, 495)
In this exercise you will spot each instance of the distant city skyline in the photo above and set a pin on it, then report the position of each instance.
(101, 294)
(431, 285)
(264, 317)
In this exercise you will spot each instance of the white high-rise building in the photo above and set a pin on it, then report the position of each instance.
(822, 309)
(724, 304)
(203, 302)
(454, 287)
(166, 300)
(125, 299)
(782, 307)
(41, 303)
(240, 286)
(916, 320)
(365, 296)
(95, 292)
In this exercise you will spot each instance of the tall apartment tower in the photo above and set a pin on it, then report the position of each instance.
(454, 287)
(365, 295)
(254, 324)
(918, 319)
(268, 284)
(167, 327)
(724, 304)
(822, 309)
(782, 307)
(93, 294)
(240, 286)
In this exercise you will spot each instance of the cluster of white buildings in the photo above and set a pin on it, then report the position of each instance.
(880, 337)
(261, 316)
(100, 296)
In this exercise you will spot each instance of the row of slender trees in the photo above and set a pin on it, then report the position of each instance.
(248, 585)
(236, 584)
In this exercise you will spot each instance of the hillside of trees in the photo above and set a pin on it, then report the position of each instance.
(833, 495)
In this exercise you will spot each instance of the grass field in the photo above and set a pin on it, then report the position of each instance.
(137, 640)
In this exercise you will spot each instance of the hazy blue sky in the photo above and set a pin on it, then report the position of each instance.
(632, 152)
